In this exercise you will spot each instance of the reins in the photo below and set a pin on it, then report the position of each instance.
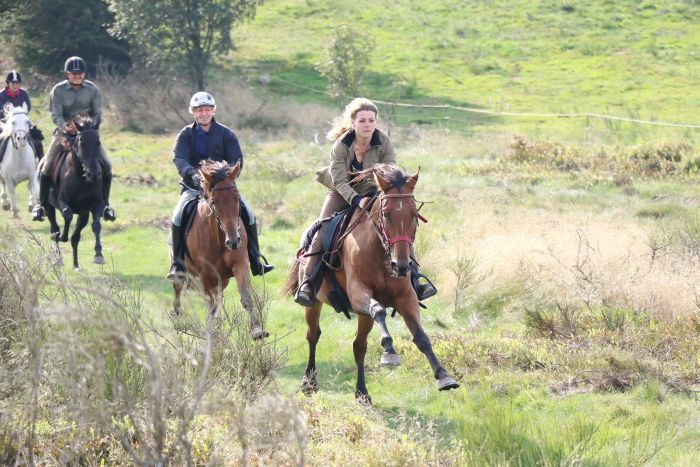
(380, 229)
(212, 206)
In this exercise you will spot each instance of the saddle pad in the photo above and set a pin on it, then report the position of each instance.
(334, 230)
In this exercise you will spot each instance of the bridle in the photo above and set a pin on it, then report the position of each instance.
(16, 134)
(75, 146)
(212, 206)
(380, 227)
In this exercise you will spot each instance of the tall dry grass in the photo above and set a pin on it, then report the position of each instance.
(87, 378)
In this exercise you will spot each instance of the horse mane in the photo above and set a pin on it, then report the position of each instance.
(218, 171)
(388, 172)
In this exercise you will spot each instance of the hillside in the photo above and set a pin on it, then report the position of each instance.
(627, 58)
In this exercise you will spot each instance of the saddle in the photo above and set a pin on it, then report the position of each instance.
(330, 257)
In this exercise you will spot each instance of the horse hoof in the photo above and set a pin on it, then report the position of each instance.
(446, 383)
(390, 359)
(55, 236)
(308, 386)
(15, 215)
(258, 333)
(6, 207)
(63, 238)
(364, 399)
(98, 260)
(76, 269)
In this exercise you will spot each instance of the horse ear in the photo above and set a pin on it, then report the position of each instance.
(235, 171)
(381, 182)
(411, 182)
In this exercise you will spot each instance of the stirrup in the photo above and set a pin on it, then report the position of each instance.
(176, 273)
(260, 268)
(423, 291)
(38, 213)
(307, 296)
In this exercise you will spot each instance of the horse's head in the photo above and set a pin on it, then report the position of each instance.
(87, 150)
(17, 125)
(397, 215)
(223, 198)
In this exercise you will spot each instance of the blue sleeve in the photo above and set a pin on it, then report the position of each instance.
(181, 154)
(232, 149)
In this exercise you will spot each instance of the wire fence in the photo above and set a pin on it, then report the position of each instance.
(609, 120)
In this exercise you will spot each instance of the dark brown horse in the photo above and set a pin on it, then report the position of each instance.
(77, 189)
(217, 241)
(375, 262)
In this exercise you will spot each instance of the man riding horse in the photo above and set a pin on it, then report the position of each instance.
(68, 99)
(206, 139)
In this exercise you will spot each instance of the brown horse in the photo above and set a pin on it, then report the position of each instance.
(217, 242)
(376, 259)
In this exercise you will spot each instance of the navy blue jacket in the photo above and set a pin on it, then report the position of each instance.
(22, 98)
(222, 145)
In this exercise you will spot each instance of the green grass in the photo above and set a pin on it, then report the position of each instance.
(625, 58)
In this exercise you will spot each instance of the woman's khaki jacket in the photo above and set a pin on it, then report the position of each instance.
(337, 175)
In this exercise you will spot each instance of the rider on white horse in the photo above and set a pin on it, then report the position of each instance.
(16, 95)
(17, 161)
(68, 98)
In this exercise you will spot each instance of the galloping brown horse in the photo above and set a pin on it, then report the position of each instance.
(217, 242)
(375, 262)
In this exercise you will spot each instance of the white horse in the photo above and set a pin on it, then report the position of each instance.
(18, 160)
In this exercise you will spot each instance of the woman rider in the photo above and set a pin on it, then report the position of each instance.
(359, 145)
(206, 139)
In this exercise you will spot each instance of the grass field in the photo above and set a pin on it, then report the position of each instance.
(567, 260)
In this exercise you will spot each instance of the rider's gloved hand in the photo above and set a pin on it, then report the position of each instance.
(197, 182)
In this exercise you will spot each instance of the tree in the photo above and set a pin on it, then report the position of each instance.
(44, 33)
(177, 35)
(346, 62)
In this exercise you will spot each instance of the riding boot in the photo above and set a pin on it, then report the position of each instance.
(254, 255)
(109, 214)
(177, 270)
(313, 276)
(44, 186)
(423, 290)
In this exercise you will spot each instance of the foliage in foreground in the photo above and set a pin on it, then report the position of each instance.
(85, 378)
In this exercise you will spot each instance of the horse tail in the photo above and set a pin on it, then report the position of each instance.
(292, 279)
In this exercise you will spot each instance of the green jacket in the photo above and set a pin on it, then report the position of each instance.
(65, 102)
(337, 175)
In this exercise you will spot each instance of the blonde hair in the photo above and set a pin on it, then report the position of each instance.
(343, 123)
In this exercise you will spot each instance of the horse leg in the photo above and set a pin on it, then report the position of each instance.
(359, 349)
(408, 308)
(177, 287)
(389, 356)
(13, 198)
(67, 219)
(5, 201)
(33, 188)
(313, 332)
(242, 276)
(75, 238)
(97, 229)
(213, 290)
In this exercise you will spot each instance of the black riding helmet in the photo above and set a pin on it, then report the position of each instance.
(75, 65)
(13, 76)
